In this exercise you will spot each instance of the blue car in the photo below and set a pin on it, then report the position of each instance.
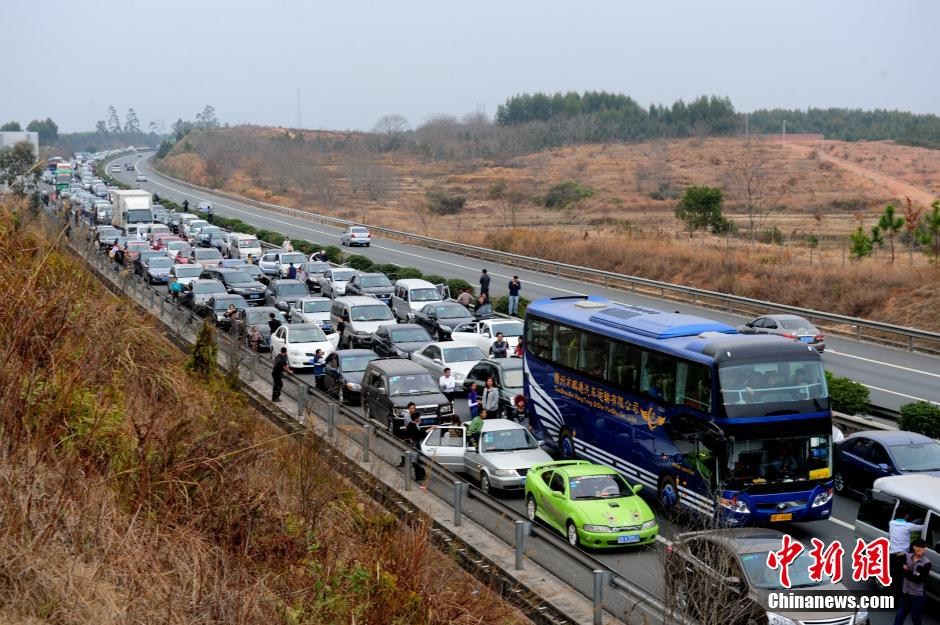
(863, 457)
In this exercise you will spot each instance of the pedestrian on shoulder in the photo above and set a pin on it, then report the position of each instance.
(281, 366)
(514, 287)
(484, 282)
(319, 368)
(473, 400)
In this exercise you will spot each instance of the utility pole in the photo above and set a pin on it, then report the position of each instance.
(747, 133)
(298, 108)
(783, 137)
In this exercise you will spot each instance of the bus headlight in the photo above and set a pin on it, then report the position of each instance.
(822, 498)
(735, 505)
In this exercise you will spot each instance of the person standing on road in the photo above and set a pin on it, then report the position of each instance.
(514, 287)
(185, 206)
(254, 338)
(319, 368)
(490, 401)
(414, 436)
(566, 443)
(281, 367)
(500, 347)
(287, 245)
(175, 287)
(210, 214)
(473, 401)
(273, 322)
(448, 385)
(292, 272)
(916, 570)
(485, 283)
(899, 544)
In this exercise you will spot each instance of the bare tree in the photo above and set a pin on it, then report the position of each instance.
(391, 128)
(425, 217)
(754, 186)
(911, 222)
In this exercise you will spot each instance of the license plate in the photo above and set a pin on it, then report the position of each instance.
(628, 539)
(806, 339)
(781, 517)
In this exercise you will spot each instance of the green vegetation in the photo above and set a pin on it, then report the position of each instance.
(922, 417)
(890, 223)
(445, 203)
(860, 244)
(501, 305)
(846, 396)
(566, 195)
(700, 209)
(15, 165)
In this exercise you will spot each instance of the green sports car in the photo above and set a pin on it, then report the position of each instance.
(589, 503)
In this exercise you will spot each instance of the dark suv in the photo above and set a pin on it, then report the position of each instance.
(390, 384)
(237, 282)
(374, 284)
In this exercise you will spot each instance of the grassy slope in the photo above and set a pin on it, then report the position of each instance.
(133, 491)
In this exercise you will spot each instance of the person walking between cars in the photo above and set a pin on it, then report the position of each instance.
(254, 338)
(319, 368)
(448, 385)
(514, 287)
(916, 571)
(473, 401)
(490, 401)
(414, 436)
(566, 443)
(175, 287)
(287, 245)
(500, 347)
(485, 283)
(292, 272)
(281, 367)
(273, 322)
(899, 545)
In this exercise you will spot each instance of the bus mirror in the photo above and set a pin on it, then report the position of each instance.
(637, 488)
(883, 467)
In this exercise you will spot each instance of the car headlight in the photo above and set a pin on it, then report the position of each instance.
(735, 505)
(295, 353)
(822, 498)
(353, 386)
(449, 408)
(505, 473)
(596, 528)
(777, 619)
(361, 333)
(861, 617)
(649, 524)
(459, 378)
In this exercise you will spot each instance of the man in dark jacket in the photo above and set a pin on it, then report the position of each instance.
(514, 287)
(277, 373)
(485, 283)
(273, 322)
(916, 572)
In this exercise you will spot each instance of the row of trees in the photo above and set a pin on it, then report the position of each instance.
(47, 129)
(912, 228)
(852, 124)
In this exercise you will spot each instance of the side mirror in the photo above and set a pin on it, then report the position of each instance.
(883, 467)
(439, 361)
(749, 324)
(637, 488)
(380, 390)
(558, 493)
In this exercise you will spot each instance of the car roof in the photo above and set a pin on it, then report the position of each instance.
(314, 298)
(413, 283)
(496, 425)
(206, 281)
(890, 437)
(358, 300)
(227, 270)
(782, 317)
(342, 353)
(302, 326)
(224, 296)
(286, 281)
(505, 363)
(406, 326)
(399, 366)
(451, 343)
(917, 488)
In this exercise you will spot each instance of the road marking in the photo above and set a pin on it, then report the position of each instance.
(884, 390)
(886, 364)
(847, 526)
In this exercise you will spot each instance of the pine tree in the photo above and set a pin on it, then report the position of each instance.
(890, 224)
(114, 122)
(131, 123)
(204, 359)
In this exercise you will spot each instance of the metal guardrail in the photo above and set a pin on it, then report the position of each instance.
(579, 568)
(912, 339)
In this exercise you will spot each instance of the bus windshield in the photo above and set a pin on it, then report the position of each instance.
(778, 460)
(764, 388)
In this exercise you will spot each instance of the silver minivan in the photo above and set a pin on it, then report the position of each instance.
(919, 494)
(411, 295)
(361, 316)
(241, 245)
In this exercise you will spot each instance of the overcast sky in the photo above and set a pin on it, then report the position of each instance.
(355, 61)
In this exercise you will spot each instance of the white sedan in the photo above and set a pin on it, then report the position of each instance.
(461, 357)
(302, 341)
(483, 333)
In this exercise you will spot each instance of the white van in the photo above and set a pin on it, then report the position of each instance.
(362, 315)
(888, 498)
(411, 295)
(241, 245)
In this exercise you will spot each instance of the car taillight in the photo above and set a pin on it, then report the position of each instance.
(789, 335)
(819, 337)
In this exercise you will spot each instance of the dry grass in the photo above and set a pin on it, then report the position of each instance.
(131, 492)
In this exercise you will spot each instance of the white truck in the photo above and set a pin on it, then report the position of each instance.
(132, 208)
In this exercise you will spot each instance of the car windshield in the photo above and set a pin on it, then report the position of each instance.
(772, 382)
(295, 288)
(187, 271)
(317, 306)
(516, 439)
(371, 312)
(425, 295)
(207, 254)
(512, 378)
(161, 263)
(261, 315)
(508, 328)
(450, 311)
(414, 384)
(295, 259)
(463, 354)
(762, 576)
(238, 277)
(371, 281)
(312, 334)
(252, 270)
(208, 287)
(359, 230)
(917, 457)
(248, 243)
(778, 460)
(599, 487)
(350, 364)
(198, 223)
(409, 335)
(316, 267)
(136, 246)
(108, 232)
(794, 324)
(343, 275)
(223, 304)
(176, 245)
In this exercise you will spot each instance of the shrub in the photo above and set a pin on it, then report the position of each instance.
(847, 396)
(388, 269)
(773, 235)
(334, 254)
(457, 285)
(922, 417)
(565, 194)
(501, 305)
(444, 203)
(435, 279)
(405, 273)
(360, 262)
(305, 246)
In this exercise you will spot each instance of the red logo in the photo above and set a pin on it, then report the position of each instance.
(871, 560)
(782, 559)
(826, 562)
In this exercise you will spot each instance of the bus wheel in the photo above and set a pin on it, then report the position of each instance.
(668, 495)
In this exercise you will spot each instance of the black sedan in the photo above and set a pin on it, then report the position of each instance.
(440, 318)
(258, 316)
(400, 340)
(217, 307)
(157, 269)
(315, 270)
(863, 457)
(343, 377)
(140, 262)
(283, 292)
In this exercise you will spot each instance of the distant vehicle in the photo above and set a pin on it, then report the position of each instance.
(282, 293)
(206, 256)
(344, 370)
(362, 316)
(440, 318)
(128, 166)
(141, 178)
(131, 206)
(238, 282)
(863, 457)
(302, 341)
(499, 459)
(459, 357)
(315, 270)
(185, 274)
(789, 326)
(157, 269)
(356, 235)
(198, 291)
(217, 306)
(592, 505)
(400, 340)
(240, 245)
(116, 168)
(312, 310)
(278, 262)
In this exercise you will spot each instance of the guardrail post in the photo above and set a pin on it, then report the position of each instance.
(458, 503)
(153, 295)
(910, 343)
(522, 529)
(409, 457)
(301, 398)
(162, 308)
(331, 419)
(367, 442)
(598, 597)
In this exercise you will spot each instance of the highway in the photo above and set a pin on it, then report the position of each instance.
(895, 376)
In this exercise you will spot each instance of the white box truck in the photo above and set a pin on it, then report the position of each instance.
(132, 207)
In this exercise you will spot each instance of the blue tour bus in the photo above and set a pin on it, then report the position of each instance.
(733, 427)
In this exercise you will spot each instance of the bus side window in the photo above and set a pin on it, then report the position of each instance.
(694, 387)
(565, 347)
(658, 376)
(594, 351)
(539, 335)
(624, 366)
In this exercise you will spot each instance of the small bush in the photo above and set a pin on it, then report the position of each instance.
(387, 268)
(307, 247)
(334, 254)
(922, 417)
(501, 305)
(457, 285)
(360, 262)
(847, 396)
(566, 194)
(435, 279)
(444, 203)
(774, 236)
(405, 273)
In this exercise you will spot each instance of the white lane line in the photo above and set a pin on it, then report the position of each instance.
(886, 364)
(847, 526)
(380, 247)
(884, 390)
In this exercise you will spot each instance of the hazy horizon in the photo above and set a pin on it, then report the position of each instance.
(358, 61)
